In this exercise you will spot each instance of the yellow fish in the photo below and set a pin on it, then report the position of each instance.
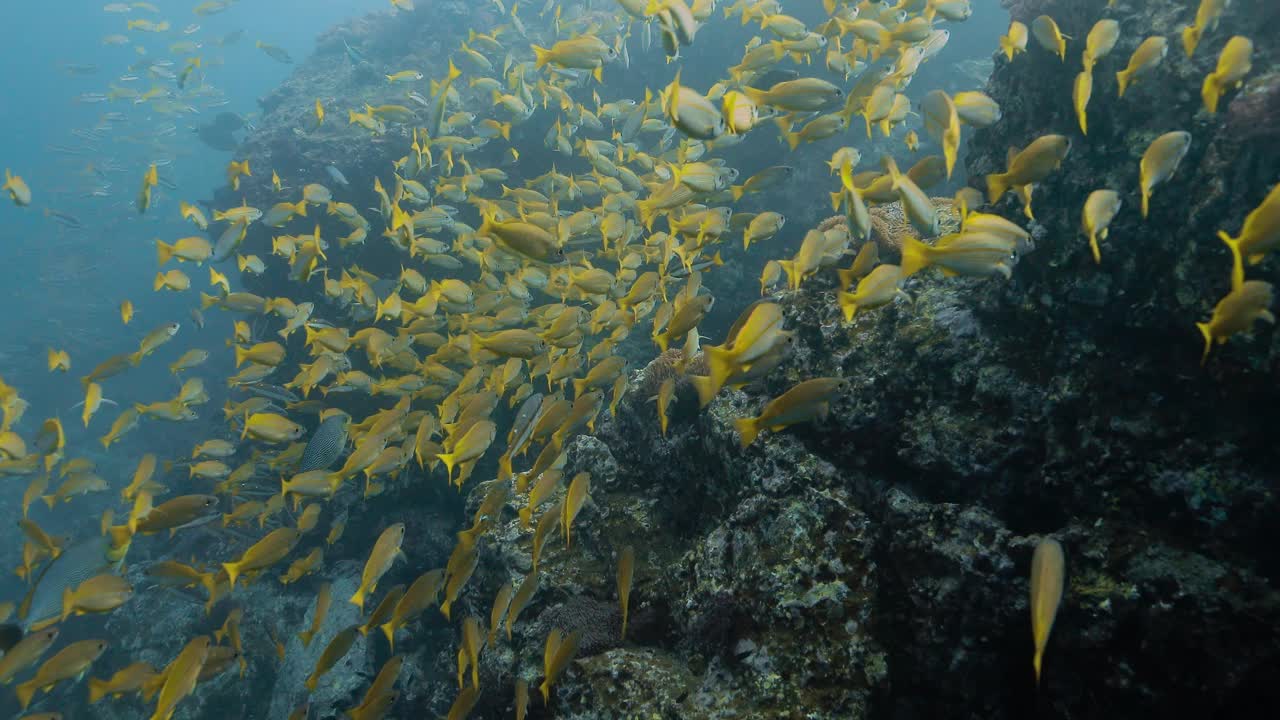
(1148, 55)
(805, 401)
(1234, 63)
(1160, 161)
(19, 193)
(1100, 209)
(59, 360)
(1236, 313)
(1047, 580)
(1046, 32)
(384, 553)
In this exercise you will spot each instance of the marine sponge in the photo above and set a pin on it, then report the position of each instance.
(600, 623)
(667, 365)
(889, 224)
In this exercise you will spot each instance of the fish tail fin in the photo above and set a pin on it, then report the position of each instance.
(720, 362)
(737, 191)
(747, 429)
(579, 386)
(915, 256)
(1208, 341)
(97, 690)
(756, 95)
(301, 207)
(702, 384)
(1237, 259)
(389, 629)
(159, 282)
(305, 636)
(1146, 202)
(526, 517)
(49, 500)
(233, 572)
(206, 301)
(26, 691)
(1210, 93)
(1006, 45)
(164, 252)
(68, 603)
(997, 186)
(1122, 81)
(240, 355)
(541, 56)
(1093, 246)
(1190, 39)
(793, 277)
(848, 305)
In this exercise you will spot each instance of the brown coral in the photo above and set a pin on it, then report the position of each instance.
(668, 365)
(889, 224)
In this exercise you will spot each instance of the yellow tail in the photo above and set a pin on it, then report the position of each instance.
(1211, 93)
(721, 363)
(389, 629)
(541, 55)
(26, 691)
(1208, 341)
(1122, 79)
(97, 690)
(358, 598)
(164, 252)
(233, 571)
(1190, 39)
(915, 256)
(1237, 259)
(68, 603)
(997, 186)
(747, 430)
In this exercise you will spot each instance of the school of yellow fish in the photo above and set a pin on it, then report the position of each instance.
(529, 308)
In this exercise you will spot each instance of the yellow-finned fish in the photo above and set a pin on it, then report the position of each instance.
(805, 401)
(1033, 164)
(318, 614)
(1207, 16)
(1015, 40)
(1234, 63)
(1100, 209)
(179, 678)
(99, 594)
(626, 570)
(1259, 236)
(1160, 162)
(264, 553)
(384, 553)
(559, 652)
(1236, 313)
(333, 652)
(69, 663)
(1046, 32)
(1099, 43)
(877, 288)
(1047, 581)
(1145, 59)
(17, 188)
(59, 360)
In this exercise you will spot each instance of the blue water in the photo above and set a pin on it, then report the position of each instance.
(61, 287)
